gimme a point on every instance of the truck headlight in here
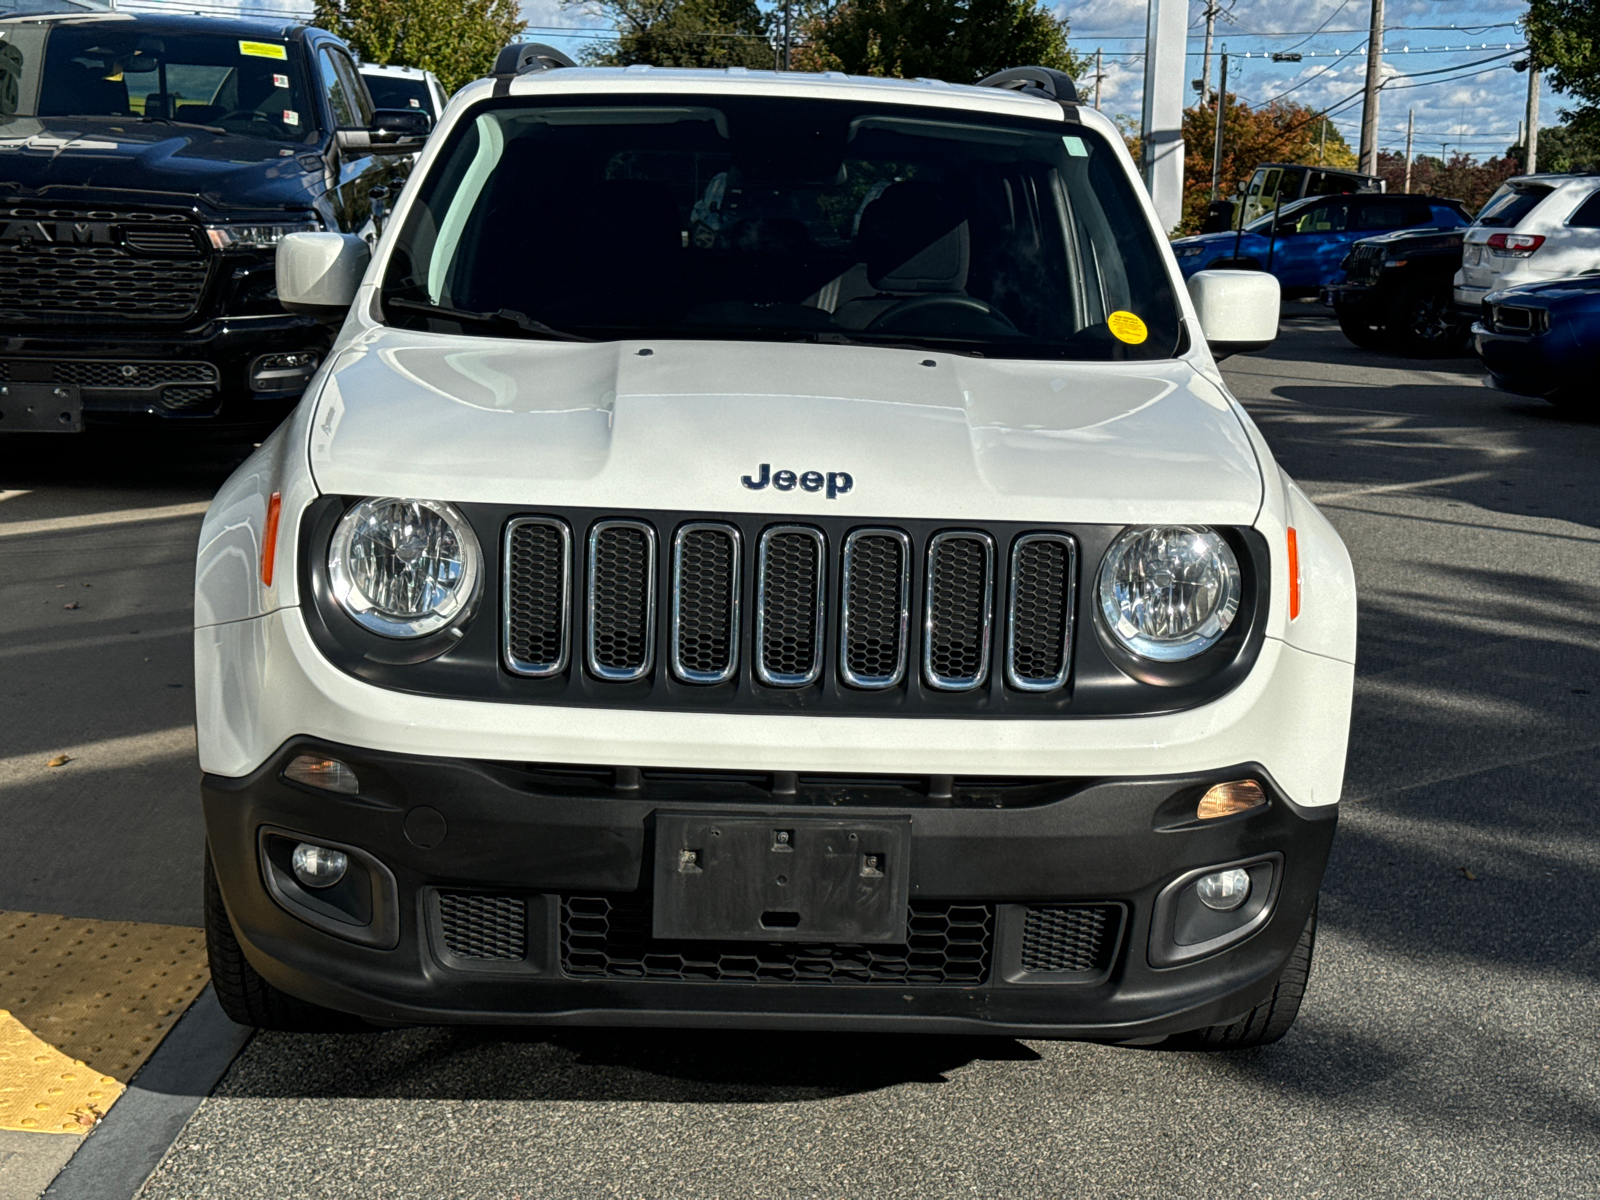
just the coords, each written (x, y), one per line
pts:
(1169, 592)
(403, 568)
(1188, 251)
(257, 235)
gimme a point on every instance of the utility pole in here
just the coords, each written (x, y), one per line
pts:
(1369, 109)
(1411, 126)
(1322, 143)
(786, 35)
(1098, 76)
(1532, 165)
(1212, 8)
(1216, 140)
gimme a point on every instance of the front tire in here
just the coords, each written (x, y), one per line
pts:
(247, 998)
(1354, 326)
(1422, 323)
(1267, 1021)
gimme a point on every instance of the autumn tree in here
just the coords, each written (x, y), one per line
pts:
(455, 39)
(1460, 177)
(680, 33)
(959, 41)
(1280, 131)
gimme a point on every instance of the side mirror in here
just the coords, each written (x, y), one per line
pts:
(394, 131)
(402, 122)
(319, 273)
(1238, 310)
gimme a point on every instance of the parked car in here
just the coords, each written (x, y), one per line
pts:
(1543, 339)
(393, 86)
(1534, 228)
(149, 167)
(1304, 242)
(893, 626)
(1396, 293)
(1273, 185)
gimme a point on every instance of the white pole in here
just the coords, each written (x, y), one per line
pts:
(1161, 127)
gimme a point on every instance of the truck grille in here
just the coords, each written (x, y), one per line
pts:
(100, 265)
(1363, 264)
(976, 605)
(107, 374)
(608, 937)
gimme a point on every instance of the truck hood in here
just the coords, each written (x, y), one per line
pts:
(46, 156)
(690, 426)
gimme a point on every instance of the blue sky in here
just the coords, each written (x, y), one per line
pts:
(1475, 108)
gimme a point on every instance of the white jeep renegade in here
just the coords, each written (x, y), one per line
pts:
(771, 551)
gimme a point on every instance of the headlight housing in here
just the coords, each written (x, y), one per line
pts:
(1188, 251)
(1169, 592)
(258, 235)
(404, 568)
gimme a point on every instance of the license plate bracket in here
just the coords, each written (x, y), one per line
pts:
(781, 878)
(40, 408)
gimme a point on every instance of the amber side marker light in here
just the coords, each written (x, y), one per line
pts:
(329, 774)
(269, 538)
(1228, 798)
(1294, 574)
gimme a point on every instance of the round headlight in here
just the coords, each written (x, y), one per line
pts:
(1169, 592)
(404, 568)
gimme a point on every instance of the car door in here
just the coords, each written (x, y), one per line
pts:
(1312, 242)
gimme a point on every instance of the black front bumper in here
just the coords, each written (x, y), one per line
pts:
(228, 345)
(1350, 296)
(495, 839)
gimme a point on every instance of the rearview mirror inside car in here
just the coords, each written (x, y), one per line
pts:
(319, 273)
(1237, 310)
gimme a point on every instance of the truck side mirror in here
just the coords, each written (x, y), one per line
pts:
(1237, 310)
(393, 131)
(319, 273)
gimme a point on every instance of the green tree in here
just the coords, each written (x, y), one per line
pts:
(455, 39)
(680, 33)
(960, 41)
(1562, 148)
(1564, 40)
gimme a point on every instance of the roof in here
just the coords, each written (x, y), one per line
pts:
(170, 23)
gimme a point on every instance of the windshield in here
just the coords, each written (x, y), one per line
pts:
(240, 86)
(783, 219)
(1511, 203)
(393, 91)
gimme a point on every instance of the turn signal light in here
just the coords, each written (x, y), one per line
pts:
(1294, 574)
(1228, 798)
(269, 538)
(329, 774)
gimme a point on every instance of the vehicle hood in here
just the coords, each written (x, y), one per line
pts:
(47, 155)
(1549, 292)
(678, 425)
(1434, 234)
(1207, 239)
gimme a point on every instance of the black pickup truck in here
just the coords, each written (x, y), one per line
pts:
(1396, 293)
(148, 167)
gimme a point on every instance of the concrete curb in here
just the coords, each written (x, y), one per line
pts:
(116, 1159)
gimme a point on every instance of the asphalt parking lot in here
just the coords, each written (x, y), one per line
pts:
(1449, 1044)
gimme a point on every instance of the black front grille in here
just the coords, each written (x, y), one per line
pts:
(608, 937)
(106, 374)
(959, 610)
(789, 607)
(537, 595)
(877, 581)
(1078, 937)
(1038, 645)
(80, 265)
(1363, 264)
(621, 599)
(705, 603)
(188, 398)
(483, 926)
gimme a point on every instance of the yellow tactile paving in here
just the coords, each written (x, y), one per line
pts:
(82, 1005)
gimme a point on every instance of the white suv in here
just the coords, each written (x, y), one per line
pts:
(1535, 227)
(859, 605)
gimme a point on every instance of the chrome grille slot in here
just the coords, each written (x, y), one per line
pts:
(705, 602)
(538, 595)
(621, 600)
(876, 596)
(1039, 633)
(791, 573)
(959, 610)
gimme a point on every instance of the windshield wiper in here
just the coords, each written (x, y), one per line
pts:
(497, 320)
(184, 124)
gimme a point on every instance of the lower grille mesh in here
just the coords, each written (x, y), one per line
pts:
(482, 926)
(1079, 937)
(609, 937)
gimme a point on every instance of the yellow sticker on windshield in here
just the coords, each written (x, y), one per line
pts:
(264, 50)
(1126, 327)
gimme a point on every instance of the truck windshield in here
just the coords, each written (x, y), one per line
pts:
(396, 91)
(239, 86)
(783, 219)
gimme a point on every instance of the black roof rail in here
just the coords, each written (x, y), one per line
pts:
(524, 58)
(1054, 85)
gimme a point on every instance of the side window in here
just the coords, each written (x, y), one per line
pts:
(1333, 217)
(1588, 214)
(1417, 213)
(337, 91)
(1381, 214)
(354, 88)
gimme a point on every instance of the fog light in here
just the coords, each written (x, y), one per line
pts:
(1228, 798)
(1223, 891)
(329, 774)
(320, 867)
(284, 372)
